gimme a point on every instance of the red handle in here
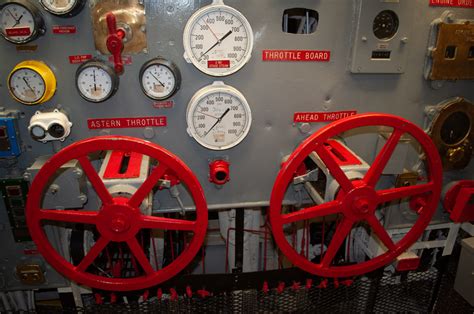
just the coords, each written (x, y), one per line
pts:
(114, 42)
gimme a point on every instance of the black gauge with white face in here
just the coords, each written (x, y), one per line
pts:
(20, 21)
(159, 79)
(385, 25)
(218, 116)
(218, 39)
(63, 8)
(96, 81)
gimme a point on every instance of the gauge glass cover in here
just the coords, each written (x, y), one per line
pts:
(95, 84)
(385, 25)
(17, 23)
(27, 85)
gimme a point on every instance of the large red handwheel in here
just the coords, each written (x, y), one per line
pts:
(357, 200)
(119, 219)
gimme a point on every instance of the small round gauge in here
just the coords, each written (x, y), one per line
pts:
(160, 79)
(20, 21)
(63, 8)
(96, 81)
(218, 39)
(218, 117)
(385, 25)
(32, 82)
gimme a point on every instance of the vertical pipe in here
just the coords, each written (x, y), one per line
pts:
(239, 240)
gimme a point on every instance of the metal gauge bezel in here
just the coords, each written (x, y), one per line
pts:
(188, 54)
(45, 73)
(74, 10)
(115, 80)
(396, 21)
(38, 21)
(217, 87)
(159, 61)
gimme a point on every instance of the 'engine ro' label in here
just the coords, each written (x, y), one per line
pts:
(125, 123)
(453, 3)
(309, 117)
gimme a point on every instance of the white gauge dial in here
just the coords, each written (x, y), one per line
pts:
(59, 6)
(218, 40)
(96, 81)
(218, 117)
(27, 85)
(17, 23)
(159, 79)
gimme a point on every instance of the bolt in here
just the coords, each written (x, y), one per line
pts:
(364, 39)
(450, 17)
(54, 188)
(27, 176)
(304, 128)
(82, 198)
(78, 172)
(404, 40)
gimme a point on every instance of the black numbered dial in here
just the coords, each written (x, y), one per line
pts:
(20, 21)
(96, 81)
(63, 8)
(160, 79)
(385, 25)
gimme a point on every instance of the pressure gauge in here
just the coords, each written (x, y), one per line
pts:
(218, 39)
(63, 8)
(385, 25)
(20, 21)
(96, 81)
(159, 79)
(31, 82)
(218, 117)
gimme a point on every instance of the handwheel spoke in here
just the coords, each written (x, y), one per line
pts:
(334, 168)
(381, 233)
(340, 235)
(381, 161)
(147, 186)
(139, 254)
(95, 180)
(403, 192)
(85, 217)
(151, 222)
(326, 209)
(98, 247)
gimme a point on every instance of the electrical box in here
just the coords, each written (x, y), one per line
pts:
(382, 36)
(9, 140)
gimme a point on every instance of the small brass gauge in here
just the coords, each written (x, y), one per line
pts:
(31, 82)
(20, 21)
(160, 79)
(96, 81)
(63, 8)
(452, 131)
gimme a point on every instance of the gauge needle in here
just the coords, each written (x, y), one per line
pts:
(217, 43)
(17, 21)
(217, 122)
(27, 84)
(211, 30)
(95, 85)
(207, 114)
(157, 80)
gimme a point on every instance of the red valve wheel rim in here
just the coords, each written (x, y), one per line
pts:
(360, 199)
(125, 226)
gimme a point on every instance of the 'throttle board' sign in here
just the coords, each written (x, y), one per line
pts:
(296, 55)
(125, 123)
(308, 117)
(453, 3)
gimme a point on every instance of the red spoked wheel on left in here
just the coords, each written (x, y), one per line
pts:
(119, 224)
(359, 200)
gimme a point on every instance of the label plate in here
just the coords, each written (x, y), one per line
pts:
(125, 123)
(308, 117)
(296, 55)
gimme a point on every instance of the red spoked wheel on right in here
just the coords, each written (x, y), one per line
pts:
(358, 200)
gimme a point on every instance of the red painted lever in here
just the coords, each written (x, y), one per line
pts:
(114, 42)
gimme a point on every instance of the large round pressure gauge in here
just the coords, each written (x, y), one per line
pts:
(218, 117)
(31, 82)
(63, 8)
(160, 79)
(20, 21)
(96, 81)
(218, 39)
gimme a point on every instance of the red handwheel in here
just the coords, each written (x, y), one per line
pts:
(358, 200)
(119, 219)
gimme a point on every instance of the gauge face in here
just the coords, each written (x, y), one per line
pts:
(38, 132)
(218, 117)
(385, 25)
(60, 7)
(27, 85)
(18, 23)
(96, 81)
(218, 40)
(159, 79)
(455, 128)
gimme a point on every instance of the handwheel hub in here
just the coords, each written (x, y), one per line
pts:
(119, 224)
(118, 221)
(360, 202)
